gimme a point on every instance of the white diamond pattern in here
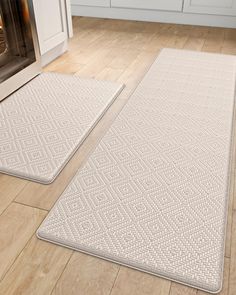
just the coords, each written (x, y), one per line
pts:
(153, 194)
(43, 123)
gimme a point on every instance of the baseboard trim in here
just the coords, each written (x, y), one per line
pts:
(156, 16)
(54, 53)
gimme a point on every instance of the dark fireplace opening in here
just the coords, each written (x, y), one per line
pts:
(17, 49)
(3, 44)
(18, 43)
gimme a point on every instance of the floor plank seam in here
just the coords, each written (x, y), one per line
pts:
(62, 272)
(13, 199)
(33, 207)
(110, 293)
(13, 262)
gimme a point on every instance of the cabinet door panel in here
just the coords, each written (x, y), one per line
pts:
(172, 5)
(220, 7)
(51, 23)
(102, 3)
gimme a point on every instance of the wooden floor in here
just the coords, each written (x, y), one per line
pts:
(102, 49)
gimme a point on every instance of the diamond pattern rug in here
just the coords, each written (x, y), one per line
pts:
(43, 123)
(153, 194)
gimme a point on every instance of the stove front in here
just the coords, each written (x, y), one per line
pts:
(19, 50)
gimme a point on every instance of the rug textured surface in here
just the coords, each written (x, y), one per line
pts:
(44, 123)
(153, 194)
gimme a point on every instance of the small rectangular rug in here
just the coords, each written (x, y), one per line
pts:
(43, 123)
(153, 194)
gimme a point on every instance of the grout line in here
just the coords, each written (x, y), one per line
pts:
(223, 42)
(62, 272)
(17, 256)
(13, 199)
(33, 207)
(228, 279)
(110, 293)
(205, 38)
(230, 259)
(26, 184)
(30, 238)
(169, 293)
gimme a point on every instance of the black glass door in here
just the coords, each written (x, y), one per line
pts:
(16, 40)
(3, 45)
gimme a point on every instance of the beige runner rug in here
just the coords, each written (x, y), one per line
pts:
(153, 194)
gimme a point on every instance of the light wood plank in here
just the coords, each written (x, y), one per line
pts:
(108, 57)
(230, 215)
(181, 30)
(64, 67)
(214, 40)
(194, 43)
(82, 56)
(131, 40)
(17, 224)
(232, 275)
(132, 282)
(234, 196)
(86, 275)
(180, 41)
(106, 41)
(225, 287)
(177, 289)
(229, 45)
(124, 58)
(199, 31)
(132, 76)
(110, 74)
(9, 188)
(85, 38)
(36, 270)
(231, 197)
(159, 41)
(97, 64)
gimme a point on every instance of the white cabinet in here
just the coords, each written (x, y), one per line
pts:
(96, 3)
(219, 13)
(171, 5)
(218, 7)
(51, 22)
